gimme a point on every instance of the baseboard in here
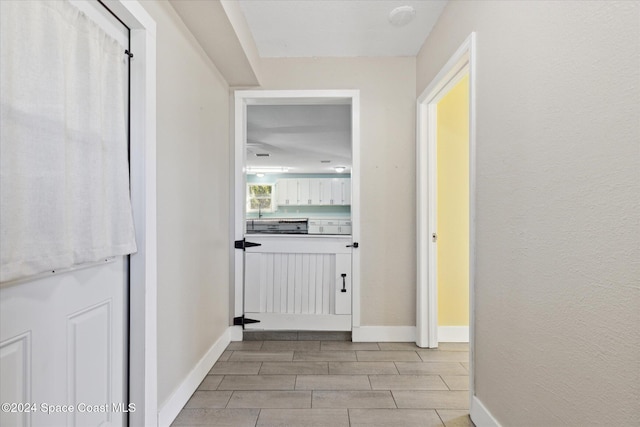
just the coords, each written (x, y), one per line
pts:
(235, 333)
(384, 334)
(453, 333)
(172, 407)
(480, 415)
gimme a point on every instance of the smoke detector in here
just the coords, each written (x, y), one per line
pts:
(401, 16)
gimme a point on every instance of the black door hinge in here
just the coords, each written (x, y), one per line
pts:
(243, 244)
(241, 321)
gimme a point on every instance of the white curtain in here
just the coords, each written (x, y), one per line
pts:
(64, 176)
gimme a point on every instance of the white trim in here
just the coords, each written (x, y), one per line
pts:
(426, 309)
(143, 380)
(235, 333)
(453, 334)
(427, 303)
(480, 415)
(300, 322)
(174, 404)
(383, 334)
(297, 97)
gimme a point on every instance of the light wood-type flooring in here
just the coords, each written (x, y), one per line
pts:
(313, 382)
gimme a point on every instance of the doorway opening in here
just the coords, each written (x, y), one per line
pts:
(296, 210)
(447, 149)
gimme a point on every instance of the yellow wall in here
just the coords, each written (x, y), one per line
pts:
(453, 206)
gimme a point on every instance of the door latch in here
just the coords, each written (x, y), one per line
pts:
(355, 245)
(434, 237)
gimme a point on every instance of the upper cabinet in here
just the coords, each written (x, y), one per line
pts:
(287, 192)
(313, 191)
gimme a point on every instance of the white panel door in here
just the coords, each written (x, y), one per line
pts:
(296, 282)
(63, 335)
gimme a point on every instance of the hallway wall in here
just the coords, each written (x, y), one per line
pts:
(558, 206)
(193, 194)
(387, 120)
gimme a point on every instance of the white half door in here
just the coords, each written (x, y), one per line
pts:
(63, 336)
(298, 283)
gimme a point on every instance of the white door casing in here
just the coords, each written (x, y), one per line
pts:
(297, 97)
(463, 61)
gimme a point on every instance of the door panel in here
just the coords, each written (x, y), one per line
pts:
(63, 340)
(298, 279)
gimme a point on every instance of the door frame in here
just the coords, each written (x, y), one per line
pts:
(462, 62)
(143, 372)
(243, 98)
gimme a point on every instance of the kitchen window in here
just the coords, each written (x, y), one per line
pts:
(259, 197)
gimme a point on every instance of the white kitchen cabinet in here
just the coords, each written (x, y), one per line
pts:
(313, 191)
(287, 192)
(346, 191)
(329, 226)
(325, 191)
(309, 191)
(340, 191)
(336, 191)
(315, 226)
(345, 227)
(304, 193)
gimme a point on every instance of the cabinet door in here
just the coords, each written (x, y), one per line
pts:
(304, 192)
(325, 192)
(315, 227)
(287, 192)
(345, 227)
(315, 191)
(292, 192)
(331, 226)
(336, 191)
(346, 191)
(281, 192)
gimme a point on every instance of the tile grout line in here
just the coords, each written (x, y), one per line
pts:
(394, 399)
(445, 383)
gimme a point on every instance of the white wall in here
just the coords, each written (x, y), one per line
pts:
(558, 206)
(193, 194)
(387, 105)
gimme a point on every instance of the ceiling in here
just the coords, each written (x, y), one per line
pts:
(299, 137)
(337, 28)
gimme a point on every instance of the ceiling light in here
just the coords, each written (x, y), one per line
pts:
(259, 174)
(401, 16)
(340, 169)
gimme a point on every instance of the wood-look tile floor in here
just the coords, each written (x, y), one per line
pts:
(333, 383)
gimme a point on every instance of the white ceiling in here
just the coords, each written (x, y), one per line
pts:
(299, 137)
(337, 28)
